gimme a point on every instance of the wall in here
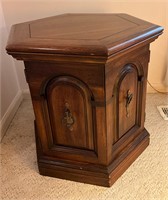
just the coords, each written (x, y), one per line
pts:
(10, 93)
(12, 79)
(16, 11)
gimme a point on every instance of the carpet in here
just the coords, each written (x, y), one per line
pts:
(145, 179)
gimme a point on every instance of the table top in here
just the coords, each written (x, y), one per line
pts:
(81, 34)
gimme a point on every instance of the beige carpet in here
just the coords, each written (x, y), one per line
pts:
(146, 179)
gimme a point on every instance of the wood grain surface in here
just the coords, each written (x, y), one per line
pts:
(87, 75)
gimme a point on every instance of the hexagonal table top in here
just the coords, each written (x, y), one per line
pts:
(81, 34)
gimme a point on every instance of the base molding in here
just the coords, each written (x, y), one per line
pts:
(125, 163)
(102, 176)
(8, 116)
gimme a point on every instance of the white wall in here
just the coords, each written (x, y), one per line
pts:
(10, 93)
(16, 11)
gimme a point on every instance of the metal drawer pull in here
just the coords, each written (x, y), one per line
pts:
(129, 98)
(68, 119)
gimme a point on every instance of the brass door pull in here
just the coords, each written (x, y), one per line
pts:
(129, 98)
(68, 119)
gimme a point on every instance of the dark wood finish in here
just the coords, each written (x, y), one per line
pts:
(78, 133)
(87, 77)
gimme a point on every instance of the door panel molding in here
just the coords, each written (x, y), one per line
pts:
(67, 109)
(128, 99)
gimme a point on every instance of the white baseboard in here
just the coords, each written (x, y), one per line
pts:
(26, 94)
(158, 86)
(7, 118)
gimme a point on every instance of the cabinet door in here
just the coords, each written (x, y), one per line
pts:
(69, 117)
(127, 100)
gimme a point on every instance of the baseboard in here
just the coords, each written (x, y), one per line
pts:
(26, 94)
(7, 118)
(158, 86)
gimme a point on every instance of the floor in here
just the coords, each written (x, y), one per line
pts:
(146, 178)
